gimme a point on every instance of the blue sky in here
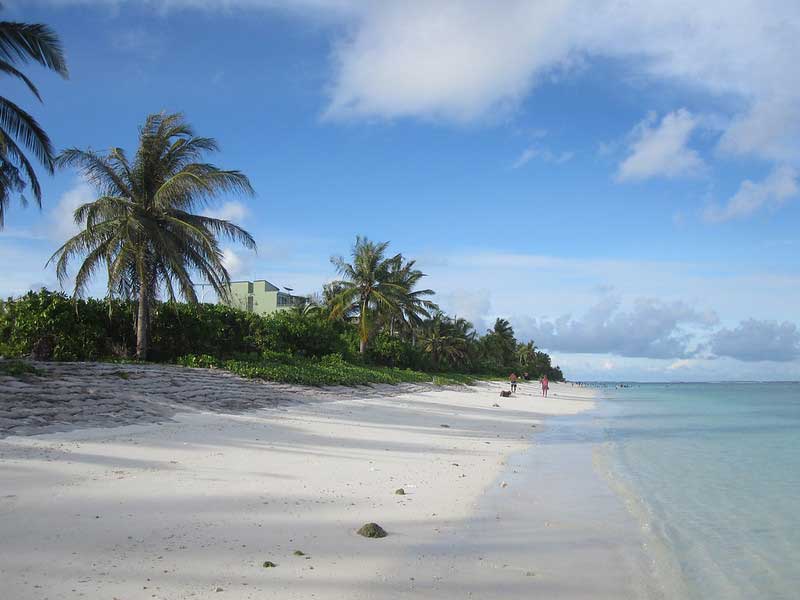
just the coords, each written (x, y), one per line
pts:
(620, 181)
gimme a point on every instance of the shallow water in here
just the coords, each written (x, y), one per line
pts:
(712, 471)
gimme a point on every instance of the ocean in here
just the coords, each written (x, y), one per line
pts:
(712, 474)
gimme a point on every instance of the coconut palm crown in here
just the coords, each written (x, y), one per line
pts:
(21, 43)
(368, 287)
(141, 228)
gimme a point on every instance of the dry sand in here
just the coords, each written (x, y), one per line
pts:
(192, 506)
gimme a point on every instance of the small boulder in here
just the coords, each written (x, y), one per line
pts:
(372, 530)
(299, 553)
(268, 564)
(446, 426)
(400, 492)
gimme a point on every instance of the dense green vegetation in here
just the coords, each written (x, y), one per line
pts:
(331, 369)
(141, 229)
(299, 346)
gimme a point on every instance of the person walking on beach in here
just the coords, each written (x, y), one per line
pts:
(545, 386)
(513, 379)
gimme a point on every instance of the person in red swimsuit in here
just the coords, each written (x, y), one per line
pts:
(545, 386)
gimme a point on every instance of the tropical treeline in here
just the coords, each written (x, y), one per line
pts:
(398, 323)
(147, 234)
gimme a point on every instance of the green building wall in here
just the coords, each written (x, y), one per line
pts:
(261, 297)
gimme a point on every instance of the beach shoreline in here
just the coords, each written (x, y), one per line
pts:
(199, 501)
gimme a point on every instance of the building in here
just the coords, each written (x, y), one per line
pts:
(262, 297)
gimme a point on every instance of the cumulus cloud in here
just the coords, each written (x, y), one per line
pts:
(754, 340)
(660, 149)
(61, 220)
(468, 60)
(233, 211)
(474, 305)
(649, 329)
(777, 188)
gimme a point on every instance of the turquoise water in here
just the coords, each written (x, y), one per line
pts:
(713, 473)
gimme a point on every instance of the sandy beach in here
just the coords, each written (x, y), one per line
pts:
(206, 476)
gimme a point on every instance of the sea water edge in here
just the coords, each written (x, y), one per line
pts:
(711, 472)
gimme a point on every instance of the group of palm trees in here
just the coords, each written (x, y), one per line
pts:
(144, 230)
(379, 294)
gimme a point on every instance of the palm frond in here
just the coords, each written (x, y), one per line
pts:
(32, 41)
(17, 123)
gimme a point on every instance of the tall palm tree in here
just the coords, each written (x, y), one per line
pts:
(142, 229)
(19, 44)
(526, 354)
(500, 343)
(368, 287)
(413, 306)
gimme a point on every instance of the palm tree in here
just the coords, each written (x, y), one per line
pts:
(526, 354)
(500, 343)
(142, 229)
(368, 287)
(19, 44)
(413, 306)
(445, 340)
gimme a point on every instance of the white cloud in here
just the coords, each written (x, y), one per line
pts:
(650, 328)
(543, 154)
(474, 305)
(459, 61)
(661, 149)
(233, 211)
(61, 220)
(754, 340)
(777, 188)
(468, 60)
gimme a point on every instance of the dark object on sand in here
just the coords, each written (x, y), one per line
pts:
(400, 492)
(505, 393)
(372, 530)
(299, 553)
(268, 564)
(445, 426)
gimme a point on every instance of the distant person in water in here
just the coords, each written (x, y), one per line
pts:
(513, 379)
(545, 386)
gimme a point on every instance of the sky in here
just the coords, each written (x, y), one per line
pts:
(618, 179)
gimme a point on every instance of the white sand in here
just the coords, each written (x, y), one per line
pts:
(184, 508)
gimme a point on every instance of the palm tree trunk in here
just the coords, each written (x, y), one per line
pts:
(142, 323)
(362, 328)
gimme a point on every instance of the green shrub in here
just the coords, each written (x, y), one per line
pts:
(17, 368)
(306, 335)
(49, 325)
(328, 370)
(391, 351)
(203, 361)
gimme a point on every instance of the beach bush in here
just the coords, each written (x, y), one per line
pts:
(17, 368)
(289, 346)
(392, 351)
(305, 335)
(327, 370)
(49, 325)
